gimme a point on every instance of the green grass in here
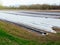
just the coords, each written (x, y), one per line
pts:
(7, 39)
(11, 34)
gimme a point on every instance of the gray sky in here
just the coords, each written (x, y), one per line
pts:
(28, 2)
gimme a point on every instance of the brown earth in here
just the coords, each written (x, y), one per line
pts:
(21, 32)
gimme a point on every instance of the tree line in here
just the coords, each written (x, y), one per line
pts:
(40, 7)
(34, 7)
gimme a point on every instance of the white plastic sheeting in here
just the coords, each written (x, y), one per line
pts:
(44, 24)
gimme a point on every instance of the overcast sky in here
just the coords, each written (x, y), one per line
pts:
(28, 2)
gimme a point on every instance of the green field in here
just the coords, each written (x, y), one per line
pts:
(11, 34)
